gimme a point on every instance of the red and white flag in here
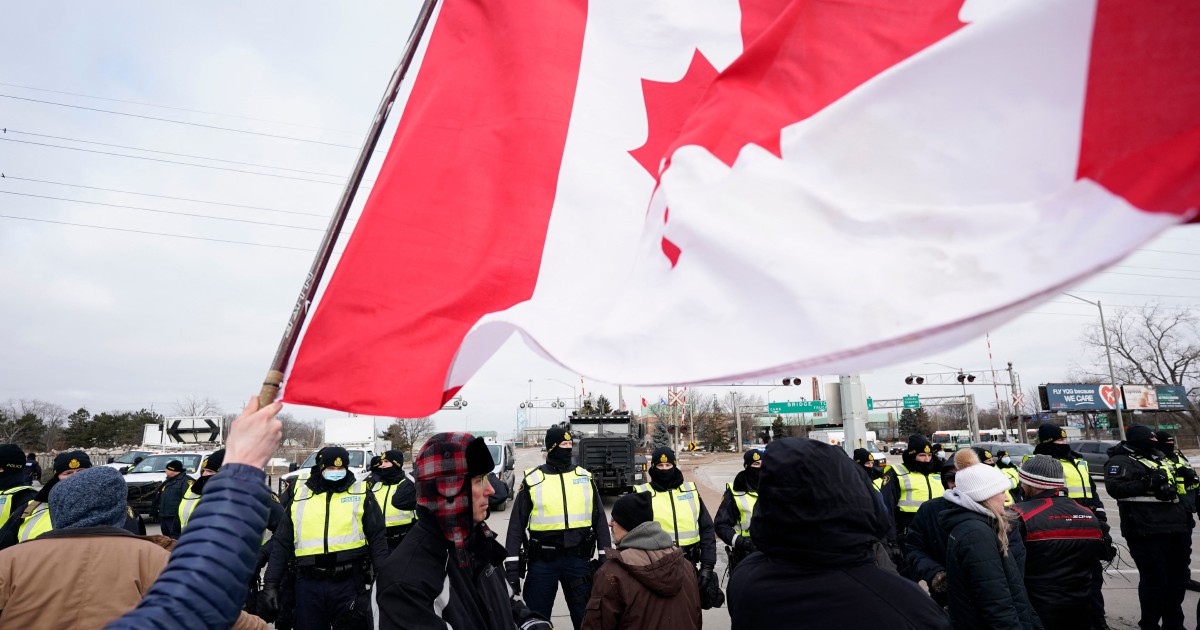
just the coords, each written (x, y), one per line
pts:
(615, 180)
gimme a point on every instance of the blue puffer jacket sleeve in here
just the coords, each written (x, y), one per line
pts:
(204, 584)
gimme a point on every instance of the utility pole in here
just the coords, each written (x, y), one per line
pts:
(737, 420)
(854, 412)
(1013, 391)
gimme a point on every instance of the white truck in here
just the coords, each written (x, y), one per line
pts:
(355, 434)
(838, 438)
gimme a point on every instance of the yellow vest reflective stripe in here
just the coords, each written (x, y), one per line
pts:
(1165, 465)
(328, 522)
(186, 506)
(6, 497)
(678, 511)
(1079, 480)
(878, 483)
(392, 516)
(35, 524)
(916, 488)
(745, 503)
(1180, 463)
(560, 502)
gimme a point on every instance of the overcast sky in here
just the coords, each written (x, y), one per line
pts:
(111, 320)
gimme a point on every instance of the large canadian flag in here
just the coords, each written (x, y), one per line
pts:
(691, 191)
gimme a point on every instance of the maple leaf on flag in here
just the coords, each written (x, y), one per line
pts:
(668, 105)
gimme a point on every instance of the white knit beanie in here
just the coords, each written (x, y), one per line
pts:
(981, 482)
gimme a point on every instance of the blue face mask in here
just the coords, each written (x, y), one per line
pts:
(1006, 460)
(334, 475)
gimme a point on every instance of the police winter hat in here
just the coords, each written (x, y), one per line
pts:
(751, 456)
(981, 482)
(632, 510)
(862, 456)
(12, 457)
(92, 498)
(555, 435)
(1164, 438)
(213, 462)
(374, 465)
(175, 465)
(71, 460)
(918, 444)
(1139, 433)
(1043, 472)
(1049, 432)
(333, 456)
(394, 456)
(662, 455)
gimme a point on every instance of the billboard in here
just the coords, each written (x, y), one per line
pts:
(1171, 397)
(1077, 397)
(1140, 397)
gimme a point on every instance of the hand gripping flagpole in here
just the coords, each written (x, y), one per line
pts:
(291, 334)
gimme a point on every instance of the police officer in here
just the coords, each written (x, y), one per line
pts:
(732, 523)
(396, 495)
(913, 482)
(1052, 441)
(169, 495)
(681, 512)
(191, 496)
(333, 532)
(1186, 481)
(986, 457)
(1154, 523)
(560, 508)
(33, 470)
(373, 470)
(1005, 464)
(864, 458)
(15, 491)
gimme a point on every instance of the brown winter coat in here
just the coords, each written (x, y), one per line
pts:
(82, 578)
(647, 583)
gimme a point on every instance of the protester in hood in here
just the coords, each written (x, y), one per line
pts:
(680, 511)
(1065, 544)
(333, 534)
(110, 568)
(168, 498)
(445, 573)
(909, 484)
(33, 470)
(732, 523)
(15, 491)
(647, 583)
(984, 581)
(816, 526)
(33, 519)
(1154, 522)
(396, 495)
(557, 524)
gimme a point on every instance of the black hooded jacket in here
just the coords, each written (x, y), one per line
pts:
(816, 525)
(1126, 476)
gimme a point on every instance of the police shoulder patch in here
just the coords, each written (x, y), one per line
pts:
(1115, 469)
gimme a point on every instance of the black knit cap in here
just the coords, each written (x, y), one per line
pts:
(11, 456)
(395, 456)
(555, 436)
(918, 444)
(375, 462)
(662, 455)
(334, 456)
(175, 465)
(1137, 433)
(862, 456)
(71, 460)
(1164, 438)
(1050, 432)
(751, 456)
(632, 510)
(983, 454)
(213, 462)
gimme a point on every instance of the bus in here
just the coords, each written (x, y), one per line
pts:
(952, 440)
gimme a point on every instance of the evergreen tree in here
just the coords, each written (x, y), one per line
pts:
(661, 437)
(779, 429)
(908, 423)
(602, 405)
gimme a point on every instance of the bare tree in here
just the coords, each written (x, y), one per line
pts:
(52, 416)
(406, 433)
(195, 406)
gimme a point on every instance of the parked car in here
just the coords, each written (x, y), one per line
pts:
(898, 448)
(1095, 452)
(506, 463)
(1015, 450)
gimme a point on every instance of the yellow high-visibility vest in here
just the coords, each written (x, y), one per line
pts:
(1166, 466)
(1078, 479)
(329, 522)
(678, 511)
(186, 506)
(392, 516)
(560, 502)
(914, 492)
(37, 522)
(745, 503)
(6, 498)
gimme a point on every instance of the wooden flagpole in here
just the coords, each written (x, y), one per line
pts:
(291, 333)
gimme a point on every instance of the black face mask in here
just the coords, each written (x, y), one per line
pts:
(1166, 448)
(752, 476)
(1057, 451)
(559, 458)
(198, 485)
(666, 479)
(1146, 446)
(390, 475)
(930, 467)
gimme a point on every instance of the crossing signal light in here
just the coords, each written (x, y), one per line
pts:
(793, 380)
(920, 380)
(908, 380)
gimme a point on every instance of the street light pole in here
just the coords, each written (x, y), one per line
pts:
(1111, 374)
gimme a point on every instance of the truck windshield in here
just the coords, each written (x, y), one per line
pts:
(130, 457)
(356, 460)
(158, 463)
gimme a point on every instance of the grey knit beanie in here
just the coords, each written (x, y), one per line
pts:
(1042, 472)
(95, 497)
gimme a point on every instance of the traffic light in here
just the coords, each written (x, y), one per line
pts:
(908, 380)
(793, 380)
(961, 377)
(920, 380)
(970, 378)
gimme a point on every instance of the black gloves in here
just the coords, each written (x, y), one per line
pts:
(269, 600)
(514, 581)
(1159, 484)
(938, 583)
(744, 544)
(710, 591)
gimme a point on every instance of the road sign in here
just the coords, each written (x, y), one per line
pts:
(803, 406)
(870, 404)
(912, 402)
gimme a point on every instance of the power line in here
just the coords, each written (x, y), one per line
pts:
(175, 108)
(1159, 251)
(1156, 268)
(1169, 306)
(182, 122)
(1146, 275)
(194, 238)
(186, 155)
(1158, 295)
(152, 159)
(144, 194)
(159, 211)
